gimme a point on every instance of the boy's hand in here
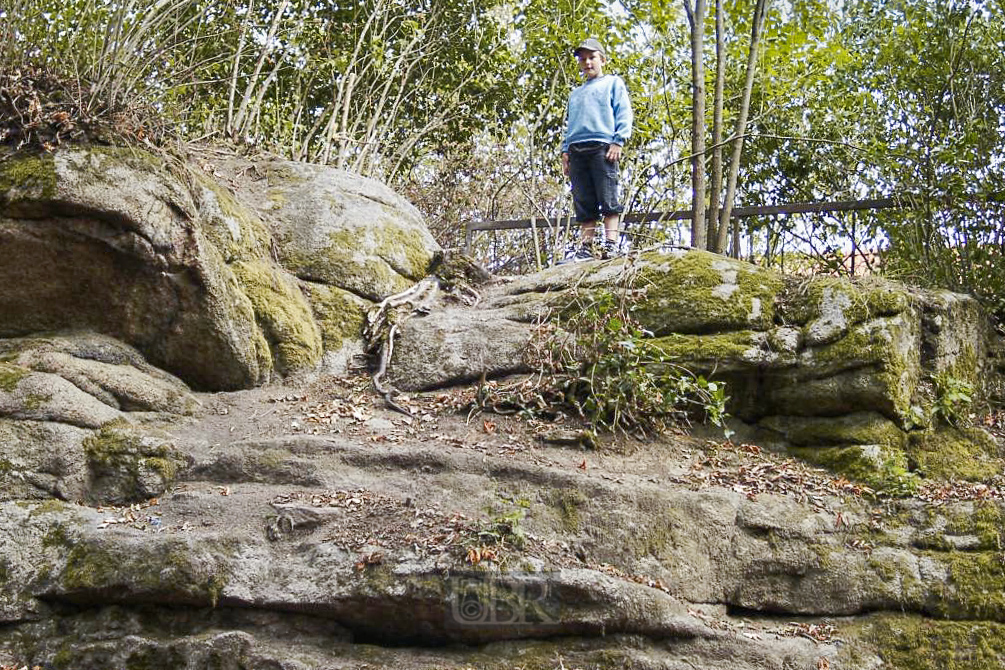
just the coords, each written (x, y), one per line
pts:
(565, 164)
(613, 153)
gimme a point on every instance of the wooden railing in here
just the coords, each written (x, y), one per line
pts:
(738, 212)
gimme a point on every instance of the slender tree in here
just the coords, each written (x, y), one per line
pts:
(696, 20)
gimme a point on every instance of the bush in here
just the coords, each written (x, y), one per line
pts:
(609, 371)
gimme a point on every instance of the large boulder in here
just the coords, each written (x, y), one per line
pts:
(841, 371)
(166, 258)
(107, 240)
(342, 230)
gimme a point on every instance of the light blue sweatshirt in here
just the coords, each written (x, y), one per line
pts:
(599, 111)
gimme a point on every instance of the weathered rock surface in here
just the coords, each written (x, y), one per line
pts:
(843, 370)
(166, 259)
(342, 230)
(364, 557)
(304, 525)
(83, 252)
(73, 410)
(351, 241)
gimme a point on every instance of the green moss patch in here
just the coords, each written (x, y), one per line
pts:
(567, 503)
(975, 588)
(283, 314)
(126, 466)
(889, 348)
(701, 292)
(804, 301)
(915, 643)
(237, 232)
(172, 570)
(339, 314)
(27, 177)
(880, 467)
(955, 453)
(396, 261)
(11, 375)
(859, 428)
(707, 348)
(337, 266)
(985, 523)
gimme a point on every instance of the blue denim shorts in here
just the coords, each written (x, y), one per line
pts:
(594, 181)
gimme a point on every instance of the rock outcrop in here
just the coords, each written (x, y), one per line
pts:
(846, 373)
(75, 416)
(276, 520)
(164, 258)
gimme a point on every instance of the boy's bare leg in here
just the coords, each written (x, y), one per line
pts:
(587, 230)
(611, 226)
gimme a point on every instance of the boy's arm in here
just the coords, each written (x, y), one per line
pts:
(622, 106)
(565, 140)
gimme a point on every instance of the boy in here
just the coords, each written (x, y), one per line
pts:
(598, 122)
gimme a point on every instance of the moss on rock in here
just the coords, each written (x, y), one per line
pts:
(881, 467)
(236, 231)
(339, 264)
(283, 314)
(701, 292)
(891, 347)
(858, 428)
(736, 345)
(805, 301)
(11, 375)
(985, 523)
(907, 642)
(567, 504)
(340, 315)
(946, 452)
(975, 588)
(172, 570)
(128, 466)
(27, 177)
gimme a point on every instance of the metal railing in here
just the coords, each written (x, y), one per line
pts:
(558, 222)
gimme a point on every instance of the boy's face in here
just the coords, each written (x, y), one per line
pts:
(591, 63)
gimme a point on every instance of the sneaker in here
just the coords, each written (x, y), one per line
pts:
(609, 248)
(578, 253)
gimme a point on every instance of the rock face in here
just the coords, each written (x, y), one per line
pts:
(165, 259)
(846, 373)
(351, 241)
(365, 551)
(72, 415)
(302, 524)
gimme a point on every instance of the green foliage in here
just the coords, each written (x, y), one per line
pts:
(613, 375)
(502, 530)
(369, 86)
(949, 403)
(953, 399)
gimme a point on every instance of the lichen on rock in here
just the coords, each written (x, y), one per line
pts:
(129, 466)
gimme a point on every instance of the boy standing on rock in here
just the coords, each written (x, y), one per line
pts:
(598, 122)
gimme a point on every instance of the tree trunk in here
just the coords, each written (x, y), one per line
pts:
(741, 123)
(696, 17)
(716, 178)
